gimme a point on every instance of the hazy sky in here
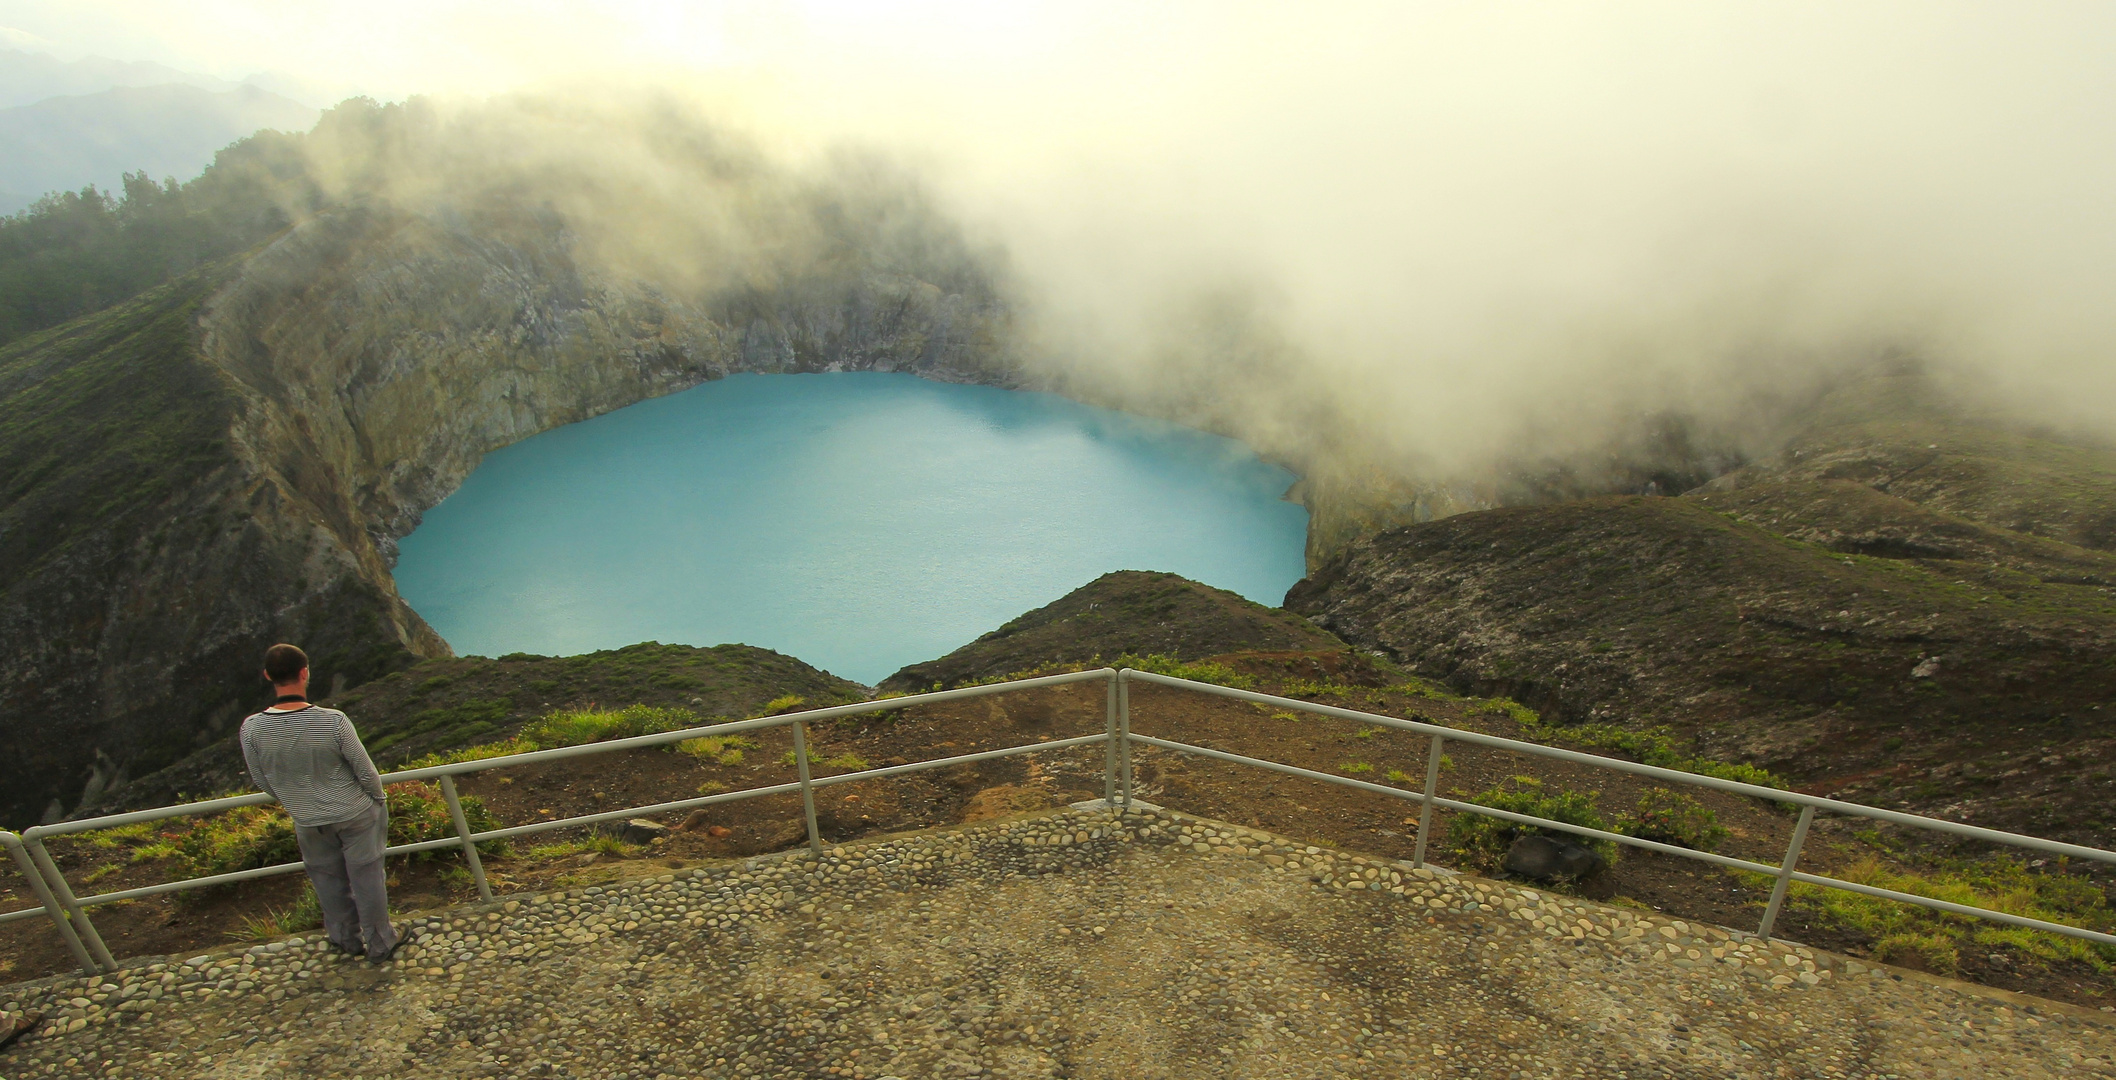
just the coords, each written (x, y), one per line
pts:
(1478, 215)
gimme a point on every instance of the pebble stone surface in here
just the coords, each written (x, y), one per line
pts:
(1083, 943)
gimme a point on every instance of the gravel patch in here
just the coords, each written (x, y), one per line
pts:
(1082, 944)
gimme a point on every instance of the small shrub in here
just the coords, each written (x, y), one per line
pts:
(305, 914)
(2000, 884)
(515, 745)
(241, 839)
(783, 704)
(418, 812)
(139, 832)
(1398, 776)
(1511, 709)
(1673, 818)
(578, 727)
(719, 749)
(1933, 952)
(1482, 841)
(1414, 686)
(787, 758)
(1174, 668)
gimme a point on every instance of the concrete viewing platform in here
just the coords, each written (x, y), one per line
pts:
(1081, 943)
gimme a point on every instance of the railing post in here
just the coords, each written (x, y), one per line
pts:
(1432, 787)
(1785, 873)
(1124, 731)
(1109, 745)
(808, 791)
(470, 849)
(72, 903)
(42, 889)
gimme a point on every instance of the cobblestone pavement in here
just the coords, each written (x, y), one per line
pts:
(1080, 944)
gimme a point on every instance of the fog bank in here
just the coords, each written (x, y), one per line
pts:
(1418, 238)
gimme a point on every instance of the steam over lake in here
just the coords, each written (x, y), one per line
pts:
(858, 521)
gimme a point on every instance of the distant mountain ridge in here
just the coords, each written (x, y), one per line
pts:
(29, 77)
(170, 130)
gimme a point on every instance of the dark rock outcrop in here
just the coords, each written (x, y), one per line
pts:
(1127, 611)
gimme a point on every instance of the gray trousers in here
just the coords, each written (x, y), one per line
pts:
(344, 861)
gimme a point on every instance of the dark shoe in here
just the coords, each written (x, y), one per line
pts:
(349, 950)
(385, 957)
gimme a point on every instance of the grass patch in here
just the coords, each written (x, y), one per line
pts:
(1482, 841)
(848, 762)
(578, 727)
(718, 749)
(1354, 767)
(1673, 818)
(304, 914)
(787, 758)
(711, 787)
(1935, 938)
(783, 704)
(1203, 671)
(1413, 686)
(1651, 746)
(597, 844)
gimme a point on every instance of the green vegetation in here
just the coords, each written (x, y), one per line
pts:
(254, 836)
(418, 812)
(1413, 686)
(239, 839)
(1482, 841)
(783, 704)
(305, 914)
(1673, 818)
(77, 252)
(718, 749)
(578, 727)
(787, 758)
(1936, 939)
(1355, 767)
(596, 843)
(1652, 746)
(849, 762)
(1174, 668)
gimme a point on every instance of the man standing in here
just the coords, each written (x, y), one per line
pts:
(311, 760)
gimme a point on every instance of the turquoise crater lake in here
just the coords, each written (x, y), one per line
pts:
(859, 521)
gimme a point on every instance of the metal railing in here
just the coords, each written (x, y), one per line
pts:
(68, 912)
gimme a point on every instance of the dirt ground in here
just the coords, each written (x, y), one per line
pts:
(1325, 814)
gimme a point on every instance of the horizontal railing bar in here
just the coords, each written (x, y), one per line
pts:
(637, 811)
(611, 746)
(245, 875)
(780, 789)
(959, 759)
(1279, 767)
(25, 913)
(1472, 808)
(1954, 908)
(580, 821)
(1619, 765)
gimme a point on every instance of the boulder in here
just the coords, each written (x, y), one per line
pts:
(634, 831)
(1547, 858)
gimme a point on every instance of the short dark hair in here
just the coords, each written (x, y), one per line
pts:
(283, 663)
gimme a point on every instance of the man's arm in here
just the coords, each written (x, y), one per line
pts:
(356, 756)
(249, 760)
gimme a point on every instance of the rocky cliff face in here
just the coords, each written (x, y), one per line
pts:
(351, 374)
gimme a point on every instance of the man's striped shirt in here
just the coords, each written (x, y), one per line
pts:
(311, 760)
